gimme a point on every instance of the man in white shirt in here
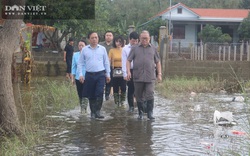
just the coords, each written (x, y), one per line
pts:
(133, 40)
(39, 40)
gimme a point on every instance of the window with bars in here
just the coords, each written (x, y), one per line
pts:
(179, 10)
(179, 32)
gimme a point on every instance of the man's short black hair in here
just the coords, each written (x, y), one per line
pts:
(108, 31)
(133, 35)
(90, 33)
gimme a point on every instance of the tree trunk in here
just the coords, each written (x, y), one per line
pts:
(9, 35)
(55, 40)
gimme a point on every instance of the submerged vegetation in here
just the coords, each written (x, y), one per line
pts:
(41, 98)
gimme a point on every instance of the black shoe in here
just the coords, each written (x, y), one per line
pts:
(140, 117)
(150, 106)
(98, 107)
(131, 109)
(92, 116)
(107, 98)
(150, 117)
(140, 110)
(97, 115)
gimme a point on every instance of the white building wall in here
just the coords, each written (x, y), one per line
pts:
(186, 15)
(190, 38)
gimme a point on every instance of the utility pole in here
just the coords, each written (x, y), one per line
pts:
(170, 27)
(169, 23)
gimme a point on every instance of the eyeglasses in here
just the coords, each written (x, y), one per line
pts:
(144, 38)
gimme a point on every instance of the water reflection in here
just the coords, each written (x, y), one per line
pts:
(181, 128)
(118, 136)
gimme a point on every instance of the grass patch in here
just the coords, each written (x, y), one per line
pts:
(170, 87)
(43, 97)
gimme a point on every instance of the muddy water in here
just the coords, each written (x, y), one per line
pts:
(182, 127)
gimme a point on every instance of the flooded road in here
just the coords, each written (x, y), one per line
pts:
(182, 127)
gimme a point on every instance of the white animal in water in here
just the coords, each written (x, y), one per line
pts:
(224, 118)
(238, 99)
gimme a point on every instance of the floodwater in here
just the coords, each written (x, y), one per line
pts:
(182, 127)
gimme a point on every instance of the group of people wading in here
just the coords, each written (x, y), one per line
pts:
(94, 68)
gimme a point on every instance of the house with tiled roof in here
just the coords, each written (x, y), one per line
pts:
(187, 22)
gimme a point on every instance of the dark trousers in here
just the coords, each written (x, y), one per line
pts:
(95, 84)
(119, 83)
(131, 90)
(108, 85)
(107, 89)
(69, 64)
(81, 91)
(144, 91)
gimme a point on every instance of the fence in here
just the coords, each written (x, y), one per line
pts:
(210, 51)
(205, 60)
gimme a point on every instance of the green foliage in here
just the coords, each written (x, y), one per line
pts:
(244, 29)
(245, 4)
(27, 42)
(57, 95)
(122, 28)
(45, 97)
(117, 15)
(211, 34)
(63, 9)
(153, 27)
(75, 27)
(16, 146)
(229, 4)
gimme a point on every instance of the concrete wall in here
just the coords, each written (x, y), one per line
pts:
(188, 68)
(173, 67)
(208, 69)
(190, 38)
(51, 68)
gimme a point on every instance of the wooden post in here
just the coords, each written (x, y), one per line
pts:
(162, 34)
(234, 53)
(131, 28)
(192, 53)
(241, 50)
(165, 58)
(220, 52)
(229, 52)
(224, 53)
(164, 48)
(195, 53)
(248, 51)
(179, 48)
(202, 52)
(198, 52)
(205, 52)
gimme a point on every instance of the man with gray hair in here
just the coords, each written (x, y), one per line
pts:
(145, 58)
